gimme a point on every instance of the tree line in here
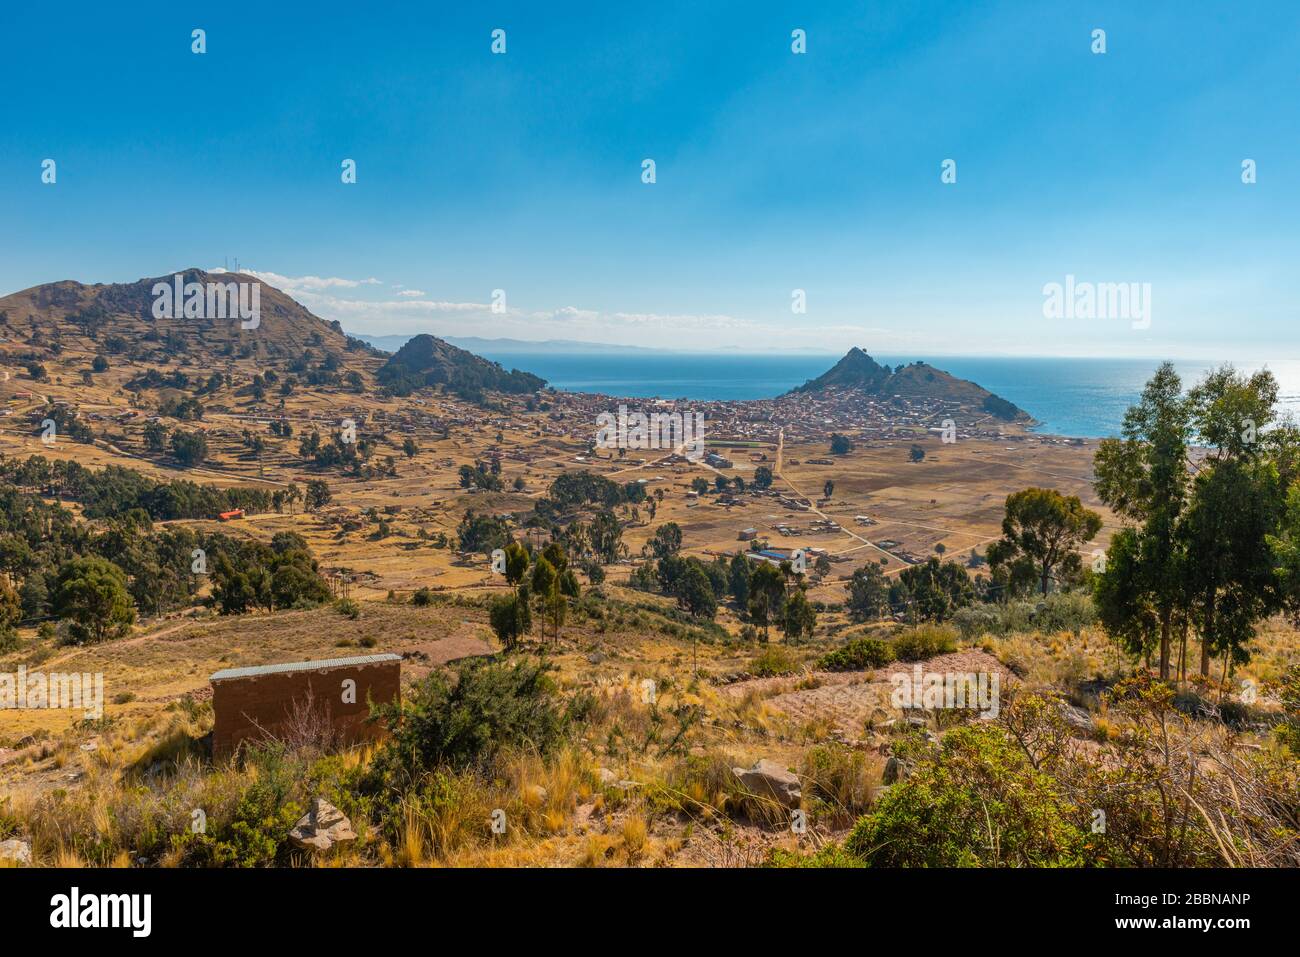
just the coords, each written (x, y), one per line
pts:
(96, 577)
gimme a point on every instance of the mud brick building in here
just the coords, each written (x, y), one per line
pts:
(273, 700)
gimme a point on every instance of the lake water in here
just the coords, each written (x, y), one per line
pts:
(1075, 397)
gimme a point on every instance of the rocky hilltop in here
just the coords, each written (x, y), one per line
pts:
(857, 371)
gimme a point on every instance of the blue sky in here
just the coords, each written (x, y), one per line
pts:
(775, 171)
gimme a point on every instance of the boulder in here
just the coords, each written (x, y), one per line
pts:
(767, 779)
(18, 852)
(1076, 717)
(606, 776)
(894, 770)
(322, 827)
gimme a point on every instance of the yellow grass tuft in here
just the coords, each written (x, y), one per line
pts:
(634, 832)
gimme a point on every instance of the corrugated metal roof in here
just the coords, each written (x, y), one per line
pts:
(301, 666)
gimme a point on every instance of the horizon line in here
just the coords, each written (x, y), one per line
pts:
(630, 349)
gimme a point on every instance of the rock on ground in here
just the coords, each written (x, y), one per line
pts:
(1077, 718)
(322, 827)
(767, 779)
(19, 852)
(893, 771)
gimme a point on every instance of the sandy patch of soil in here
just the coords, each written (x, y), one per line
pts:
(849, 698)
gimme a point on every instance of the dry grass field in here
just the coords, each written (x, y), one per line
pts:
(642, 779)
(952, 498)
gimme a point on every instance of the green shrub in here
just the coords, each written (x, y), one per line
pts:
(917, 644)
(1065, 611)
(975, 801)
(491, 706)
(859, 655)
(339, 781)
(422, 597)
(976, 621)
(256, 834)
(772, 661)
(348, 608)
(831, 855)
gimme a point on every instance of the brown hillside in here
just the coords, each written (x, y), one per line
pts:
(118, 317)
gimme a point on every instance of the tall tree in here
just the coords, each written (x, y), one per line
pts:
(667, 540)
(1124, 599)
(511, 619)
(1143, 478)
(868, 593)
(546, 585)
(766, 593)
(1045, 527)
(606, 534)
(91, 594)
(318, 495)
(694, 592)
(1237, 503)
(799, 618)
(516, 563)
(935, 590)
(738, 579)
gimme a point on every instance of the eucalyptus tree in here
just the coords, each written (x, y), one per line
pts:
(1143, 478)
(1237, 503)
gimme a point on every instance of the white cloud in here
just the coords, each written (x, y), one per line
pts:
(292, 284)
(321, 304)
(409, 312)
(568, 314)
(671, 321)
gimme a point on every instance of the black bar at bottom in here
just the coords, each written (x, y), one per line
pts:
(336, 906)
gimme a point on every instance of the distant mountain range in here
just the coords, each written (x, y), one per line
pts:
(170, 319)
(123, 319)
(513, 346)
(567, 347)
(919, 380)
